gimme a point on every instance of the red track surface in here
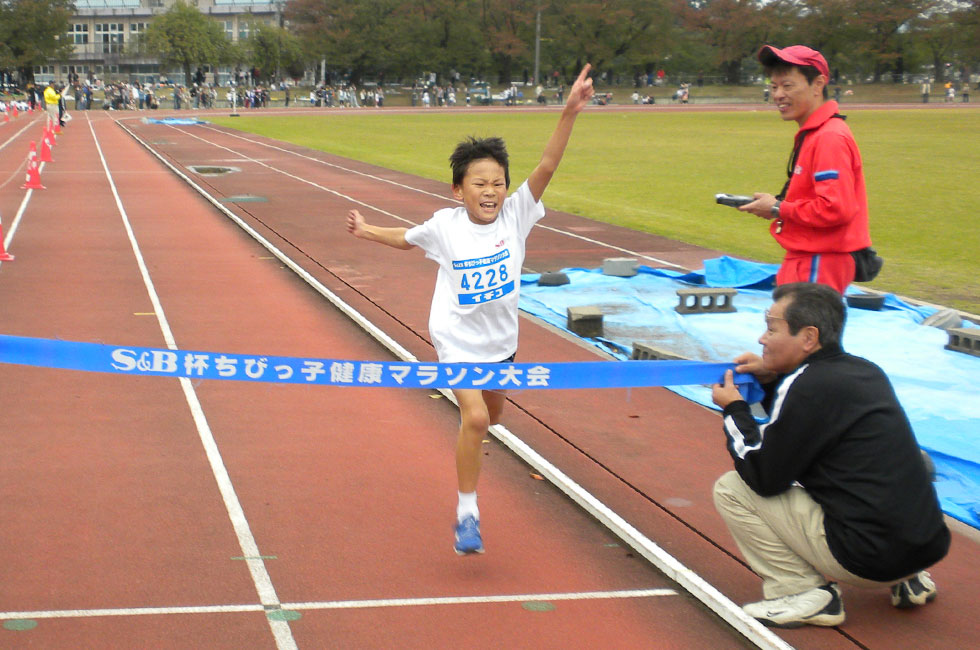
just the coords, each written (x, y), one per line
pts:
(110, 502)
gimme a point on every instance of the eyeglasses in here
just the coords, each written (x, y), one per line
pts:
(770, 317)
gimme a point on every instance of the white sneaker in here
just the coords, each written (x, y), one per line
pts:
(917, 590)
(820, 606)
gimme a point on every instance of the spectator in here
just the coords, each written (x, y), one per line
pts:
(52, 99)
(62, 106)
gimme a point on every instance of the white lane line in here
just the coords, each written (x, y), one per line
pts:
(298, 178)
(129, 611)
(573, 235)
(9, 235)
(476, 600)
(339, 604)
(17, 134)
(319, 161)
(731, 613)
(673, 568)
(256, 566)
(377, 333)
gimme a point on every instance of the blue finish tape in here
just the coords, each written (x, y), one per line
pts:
(160, 362)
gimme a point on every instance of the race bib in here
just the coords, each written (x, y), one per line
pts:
(483, 279)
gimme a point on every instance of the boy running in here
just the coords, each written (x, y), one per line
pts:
(480, 251)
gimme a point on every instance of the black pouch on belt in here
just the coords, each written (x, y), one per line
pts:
(867, 264)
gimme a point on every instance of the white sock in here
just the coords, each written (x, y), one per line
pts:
(467, 506)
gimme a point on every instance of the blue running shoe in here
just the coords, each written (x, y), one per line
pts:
(468, 538)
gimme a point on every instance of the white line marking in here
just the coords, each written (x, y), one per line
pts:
(256, 566)
(694, 584)
(470, 600)
(731, 613)
(338, 604)
(130, 611)
(297, 178)
(9, 238)
(17, 134)
(393, 346)
(396, 184)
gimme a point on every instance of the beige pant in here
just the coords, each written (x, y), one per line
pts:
(782, 538)
(53, 112)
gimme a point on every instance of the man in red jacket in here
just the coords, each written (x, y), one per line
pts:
(821, 216)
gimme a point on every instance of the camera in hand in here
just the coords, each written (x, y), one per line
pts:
(734, 200)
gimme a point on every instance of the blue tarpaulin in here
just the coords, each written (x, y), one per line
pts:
(936, 386)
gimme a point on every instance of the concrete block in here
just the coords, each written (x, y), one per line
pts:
(944, 319)
(644, 352)
(623, 267)
(554, 279)
(964, 340)
(706, 300)
(585, 321)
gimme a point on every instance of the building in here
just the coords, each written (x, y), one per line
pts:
(106, 37)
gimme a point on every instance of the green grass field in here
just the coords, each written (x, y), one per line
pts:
(658, 173)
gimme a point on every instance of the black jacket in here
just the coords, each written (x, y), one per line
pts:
(837, 429)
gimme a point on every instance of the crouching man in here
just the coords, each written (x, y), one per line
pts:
(833, 487)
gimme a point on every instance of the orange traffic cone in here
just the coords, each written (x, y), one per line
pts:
(33, 173)
(6, 118)
(57, 127)
(13, 110)
(4, 255)
(46, 149)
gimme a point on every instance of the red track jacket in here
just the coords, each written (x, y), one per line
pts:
(825, 209)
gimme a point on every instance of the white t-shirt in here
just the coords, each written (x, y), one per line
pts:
(474, 306)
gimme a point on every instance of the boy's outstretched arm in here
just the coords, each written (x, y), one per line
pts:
(578, 98)
(394, 237)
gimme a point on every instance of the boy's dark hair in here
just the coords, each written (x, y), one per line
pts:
(472, 149)
(808, 71)
(815, 305)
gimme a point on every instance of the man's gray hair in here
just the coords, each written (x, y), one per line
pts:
(815, 305)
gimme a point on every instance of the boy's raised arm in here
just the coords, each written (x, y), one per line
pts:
(578, 98)
(394, 237)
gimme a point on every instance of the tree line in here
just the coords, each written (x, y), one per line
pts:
(504, 40)
(495, 39)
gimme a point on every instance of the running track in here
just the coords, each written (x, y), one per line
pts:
(143, 512)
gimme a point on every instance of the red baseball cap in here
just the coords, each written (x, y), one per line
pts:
(795, 55)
